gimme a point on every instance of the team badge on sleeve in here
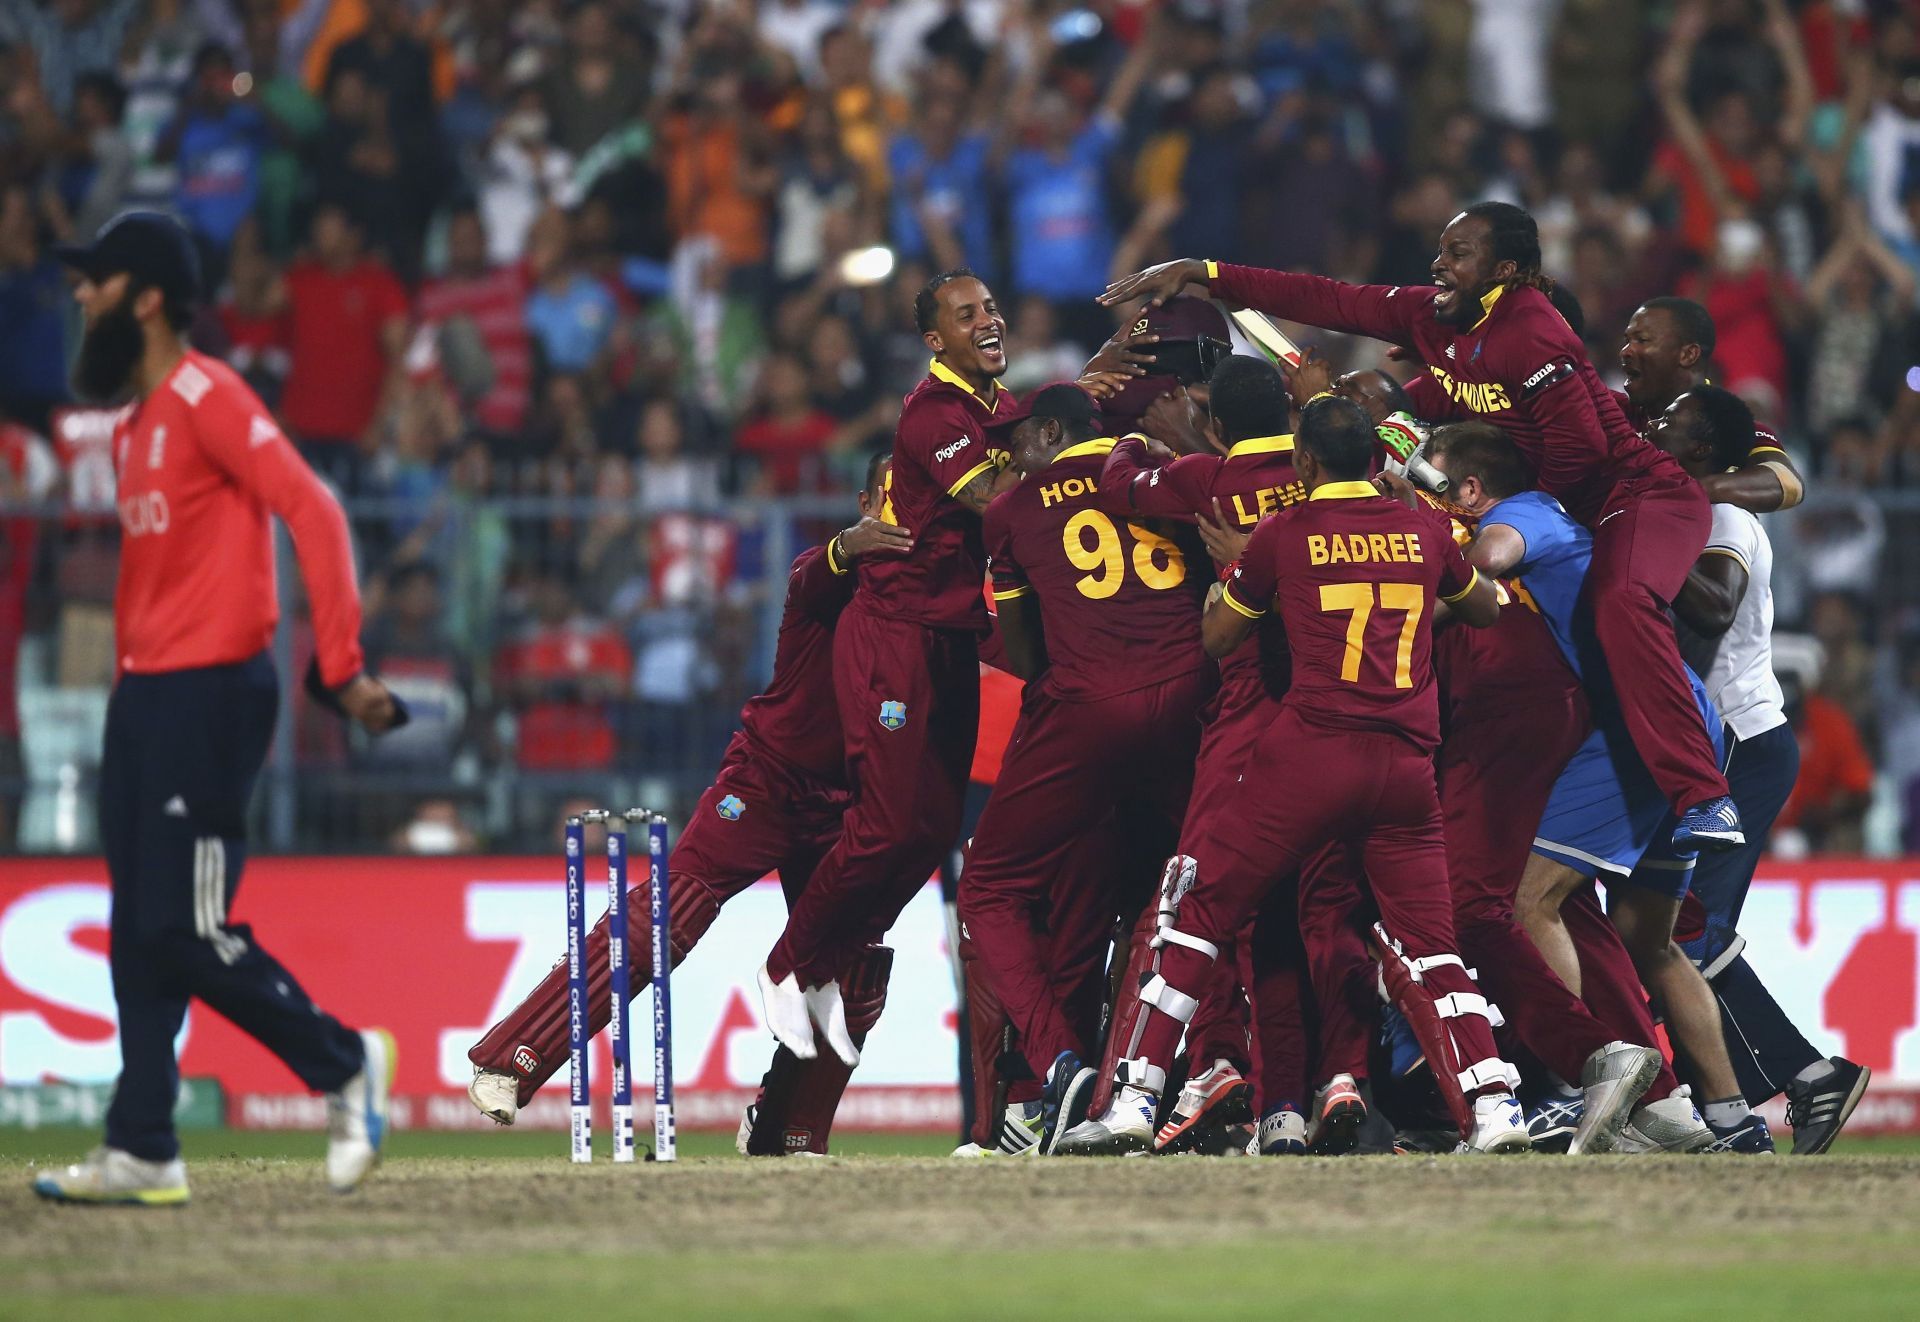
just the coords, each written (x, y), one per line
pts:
(893, 715)
(730, 807)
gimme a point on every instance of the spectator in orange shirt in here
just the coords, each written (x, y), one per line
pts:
(563, 676)
(719, 174)
(1830, 799)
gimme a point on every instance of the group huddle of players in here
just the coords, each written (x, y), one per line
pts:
(1330, 762)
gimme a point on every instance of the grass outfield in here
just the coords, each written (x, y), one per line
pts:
(500, 1224)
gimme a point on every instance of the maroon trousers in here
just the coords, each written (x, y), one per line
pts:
(1495, 776)
(1069, 763)
(786, 823)
(909, 700)
(1644, 543)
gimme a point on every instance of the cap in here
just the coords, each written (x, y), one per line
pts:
(1063, 401)
(153, 248)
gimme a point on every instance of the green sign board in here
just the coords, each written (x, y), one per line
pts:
(84, 1105)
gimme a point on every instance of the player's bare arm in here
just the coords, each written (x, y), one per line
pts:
(1156, 284)
(1759, 487)
(1496, 550)
(1021, 635)
(871, 536)
(983, 486)
(1224, 627)
(1715, 586)
(1125, 355)
(1480, 607)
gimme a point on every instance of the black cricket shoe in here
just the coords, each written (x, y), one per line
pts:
(1817, 1111)
(1064, 1103)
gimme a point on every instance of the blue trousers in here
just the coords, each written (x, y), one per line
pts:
(183, 750)
(1766, 1047)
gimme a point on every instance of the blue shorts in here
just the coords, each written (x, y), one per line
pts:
(1606, 818)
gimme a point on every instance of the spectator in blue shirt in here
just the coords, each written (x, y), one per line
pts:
(218, 140)
(34, 303)
(940, 210)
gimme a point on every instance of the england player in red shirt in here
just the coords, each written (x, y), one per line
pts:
(201, 471)
(774, 807)
(1357, 579)
(906, 668)
(1493, 341)
(1097, 614)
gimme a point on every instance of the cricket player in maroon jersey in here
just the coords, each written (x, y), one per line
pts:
(201, 469)
(1357, 579)
(1096, 613)
(774, 806)
(1664, 354)
(1249, 409)
(1513, 713)
(1493, 341)
(906, 668)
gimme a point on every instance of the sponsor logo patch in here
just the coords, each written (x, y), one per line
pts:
(893, 715)
(1551, 374)
(947, 452)
(798, 1139)
(526, 1061)
(730, 807)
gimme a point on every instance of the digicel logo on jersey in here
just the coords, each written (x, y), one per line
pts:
(1480, 396)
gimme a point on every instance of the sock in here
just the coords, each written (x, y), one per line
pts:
(1726, 1113)
(1815, 1072)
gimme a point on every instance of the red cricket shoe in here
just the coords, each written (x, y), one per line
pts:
(1338, 1113)
(1220, 1097)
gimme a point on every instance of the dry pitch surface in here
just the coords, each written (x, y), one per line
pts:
(917, 1237)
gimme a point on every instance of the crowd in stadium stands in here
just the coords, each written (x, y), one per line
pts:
(624, 249)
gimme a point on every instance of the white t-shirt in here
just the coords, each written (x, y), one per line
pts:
(1741, 681)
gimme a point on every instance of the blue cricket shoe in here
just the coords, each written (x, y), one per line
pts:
(1714, 824)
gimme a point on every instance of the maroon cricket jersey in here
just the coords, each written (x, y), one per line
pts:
(939, 446)
(796, 717)
(1119, 598)
(1354, 576)
(1765, 440)
(1519, 366)
(1253, 479)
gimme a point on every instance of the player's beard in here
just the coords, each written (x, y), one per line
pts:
(109, 351)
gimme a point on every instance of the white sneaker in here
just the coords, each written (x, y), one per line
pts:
(826, 1009)
(496, 1094)
(1282, 1134)
(1499, 1125)
(1610, 1084)
(1126, 1127)
(785, 1007)
(1671, 1124)
(748, 1119)
(357, 1114)
(108, 1175)
(972, 1151)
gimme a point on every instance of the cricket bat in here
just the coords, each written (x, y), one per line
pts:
(1273, 342)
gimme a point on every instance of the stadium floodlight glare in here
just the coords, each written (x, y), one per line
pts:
(866, 266)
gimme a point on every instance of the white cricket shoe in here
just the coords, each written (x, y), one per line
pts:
(1671, 1124)
(1610, 1085)
(973, 1151)
(1281, 1134)
(1126, 1127)
(357, 1114)
(785, 1008)
(1499, 1125)
(826, 1009)
(496, 1094)
(108, 1175)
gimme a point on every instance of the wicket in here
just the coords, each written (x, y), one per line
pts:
(618, 826)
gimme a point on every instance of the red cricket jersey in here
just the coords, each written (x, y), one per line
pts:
(1354, 576)
(1254, 479)
(200, 465)
(1118, 600)
(1520, 366)
(939, 447)
(797, 718)
(496, 303)
(334, 325)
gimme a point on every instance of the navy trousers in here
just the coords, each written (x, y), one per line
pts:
(1767, 1049)
(183, 750)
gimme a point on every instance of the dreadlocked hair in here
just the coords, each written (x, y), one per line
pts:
(1515, 238)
